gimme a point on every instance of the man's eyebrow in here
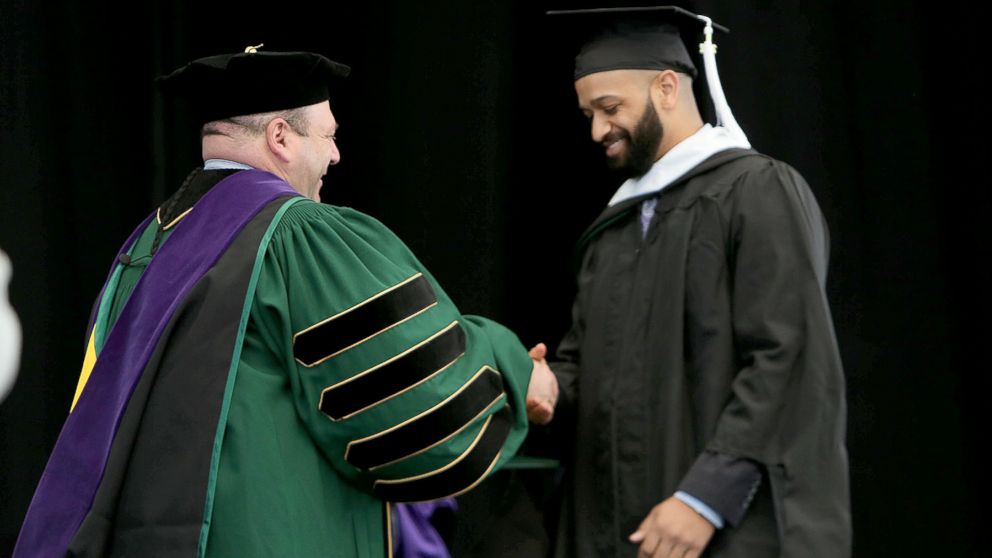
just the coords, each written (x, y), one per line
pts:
(598, 101)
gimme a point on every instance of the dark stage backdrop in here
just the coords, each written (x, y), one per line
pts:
(459, 131)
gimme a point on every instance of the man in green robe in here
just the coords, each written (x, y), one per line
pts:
(265, 373)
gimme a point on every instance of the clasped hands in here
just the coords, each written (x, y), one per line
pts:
(542, 392)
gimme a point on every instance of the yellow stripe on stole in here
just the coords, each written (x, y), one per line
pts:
(89, 361)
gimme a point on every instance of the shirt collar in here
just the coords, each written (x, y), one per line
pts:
(217, 164)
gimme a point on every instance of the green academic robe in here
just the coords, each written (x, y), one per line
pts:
(356, 382)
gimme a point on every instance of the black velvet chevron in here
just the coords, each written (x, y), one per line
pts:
(457, 478)
(361, 322)
(431, 428)
(389, 379)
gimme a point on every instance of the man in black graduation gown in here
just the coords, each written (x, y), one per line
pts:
(701, 379)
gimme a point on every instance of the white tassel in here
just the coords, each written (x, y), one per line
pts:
(724, 117)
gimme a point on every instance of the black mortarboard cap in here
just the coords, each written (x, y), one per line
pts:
(633, 38)
(252, 82)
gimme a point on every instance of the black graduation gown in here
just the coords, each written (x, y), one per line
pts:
(712, 333)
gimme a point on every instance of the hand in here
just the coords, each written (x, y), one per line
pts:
(672, 529)
(542, 393)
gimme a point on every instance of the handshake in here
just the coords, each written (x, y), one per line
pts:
(542, 392)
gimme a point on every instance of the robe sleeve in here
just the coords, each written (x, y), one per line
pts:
(404, 395)
(566, 367)
(725, 484)
(780, 317)
(557, 438)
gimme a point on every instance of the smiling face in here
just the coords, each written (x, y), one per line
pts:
(623, 118)
(314, 152)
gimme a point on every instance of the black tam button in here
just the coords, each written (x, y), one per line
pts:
(244, 83)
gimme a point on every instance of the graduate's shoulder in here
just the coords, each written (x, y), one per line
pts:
(768, 176)
(763, 188)
(750, 174)
(732, 167)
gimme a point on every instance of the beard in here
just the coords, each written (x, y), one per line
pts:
(642, 145)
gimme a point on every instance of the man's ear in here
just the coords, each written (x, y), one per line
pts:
(279, 139)
(665, 88)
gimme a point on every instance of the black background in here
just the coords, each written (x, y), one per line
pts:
(459, 130)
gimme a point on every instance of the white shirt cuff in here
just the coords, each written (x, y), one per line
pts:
(701, 508)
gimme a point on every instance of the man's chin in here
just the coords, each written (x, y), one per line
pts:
(616, 162)
(619, 167)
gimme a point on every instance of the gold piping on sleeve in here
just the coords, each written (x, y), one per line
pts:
(356, 306)
(426, 412)
(362, 303)
(158, 218)
(380, 365)
(475, 483)
(353, 345)
(481, 478)
(501, 398)
(458, 460)
(389, 529)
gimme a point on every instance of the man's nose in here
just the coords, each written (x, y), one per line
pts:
(335, 154)
(600, 127)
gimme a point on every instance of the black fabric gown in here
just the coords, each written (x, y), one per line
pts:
(712, 333)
